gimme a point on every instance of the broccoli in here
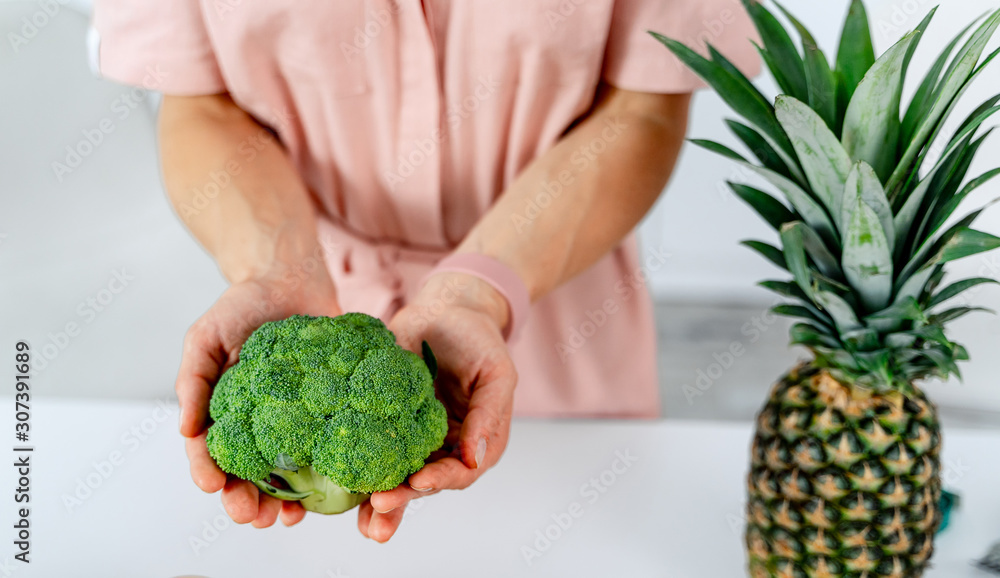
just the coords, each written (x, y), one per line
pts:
(325, 411)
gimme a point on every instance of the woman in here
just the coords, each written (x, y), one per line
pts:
(330, 154)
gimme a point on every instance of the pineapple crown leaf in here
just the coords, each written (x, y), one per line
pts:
(773, 211)
(784, 60)
(955, 289)
(861, 212)
(855, 55)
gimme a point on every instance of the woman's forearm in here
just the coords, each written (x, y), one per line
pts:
(235, 188)
(577, 201)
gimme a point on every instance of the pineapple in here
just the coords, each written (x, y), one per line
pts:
(845, 467)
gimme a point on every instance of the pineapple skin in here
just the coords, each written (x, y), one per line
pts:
(843, 481)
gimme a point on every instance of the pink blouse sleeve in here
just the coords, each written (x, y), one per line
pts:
(634, 60)
(158, 44)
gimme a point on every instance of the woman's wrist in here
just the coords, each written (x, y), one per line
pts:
(299, 286)
(449, 288)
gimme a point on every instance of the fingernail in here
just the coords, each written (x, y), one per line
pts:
(383, 511)
(180, 420)
(422, 489)
(480, 452)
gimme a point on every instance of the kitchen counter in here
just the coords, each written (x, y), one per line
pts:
(111, 496)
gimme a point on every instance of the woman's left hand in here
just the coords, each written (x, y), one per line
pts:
(461, 317)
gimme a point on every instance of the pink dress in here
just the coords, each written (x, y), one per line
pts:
(407, 118)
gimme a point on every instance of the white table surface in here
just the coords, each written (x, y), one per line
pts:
(675, 512)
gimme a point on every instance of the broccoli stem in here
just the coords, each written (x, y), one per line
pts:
(315, 491)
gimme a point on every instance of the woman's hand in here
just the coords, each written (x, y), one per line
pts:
(211, 346)
(461, 318)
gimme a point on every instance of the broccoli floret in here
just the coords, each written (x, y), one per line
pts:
(231, 395)
(400, 444)
(325, 411)
(389, 382)
(277, 378)
(371, 333)
(286, 428)
(324, 392)
(231, 443)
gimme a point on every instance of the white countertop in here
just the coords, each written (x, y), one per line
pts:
(675, 511)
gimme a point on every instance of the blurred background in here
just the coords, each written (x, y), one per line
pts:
(75, 228)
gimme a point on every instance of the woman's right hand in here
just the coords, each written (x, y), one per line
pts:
(211, 346)
(262, 230)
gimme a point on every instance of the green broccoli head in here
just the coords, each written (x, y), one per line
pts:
(325, 411)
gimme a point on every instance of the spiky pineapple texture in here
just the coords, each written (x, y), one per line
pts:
(843, 482)
(863, 232)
